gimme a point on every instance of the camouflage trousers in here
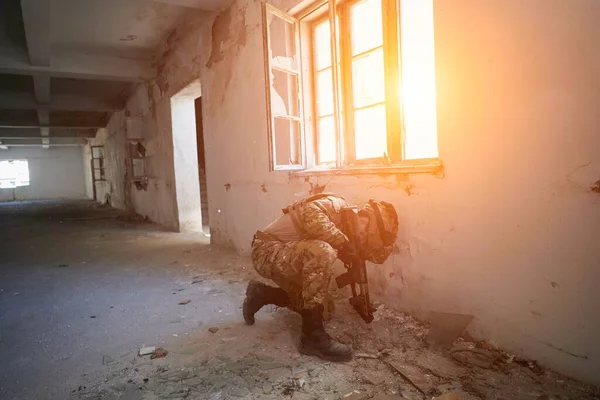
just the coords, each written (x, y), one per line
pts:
(303, 269)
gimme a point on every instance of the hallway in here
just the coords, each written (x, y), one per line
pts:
(79, 281)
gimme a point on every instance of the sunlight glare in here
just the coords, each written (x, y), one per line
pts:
(418, 79)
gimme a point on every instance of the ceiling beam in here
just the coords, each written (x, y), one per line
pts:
(41, 87)
(40, 142)
(59, 102)
(77, 65)
(38, 126)
(6, 133)
(36, 21)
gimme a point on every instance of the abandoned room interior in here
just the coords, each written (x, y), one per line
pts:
(143, 143)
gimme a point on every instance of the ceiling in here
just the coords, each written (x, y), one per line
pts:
(66, 65)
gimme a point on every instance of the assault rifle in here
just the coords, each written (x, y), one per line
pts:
(357, 271)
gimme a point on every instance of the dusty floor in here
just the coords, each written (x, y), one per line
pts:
(82, 288)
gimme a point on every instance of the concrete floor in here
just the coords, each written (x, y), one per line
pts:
(79, 281)
(83, 287)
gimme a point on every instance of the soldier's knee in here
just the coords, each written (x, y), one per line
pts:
(323, 251)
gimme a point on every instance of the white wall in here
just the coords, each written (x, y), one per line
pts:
(510, 234)
(54, 173)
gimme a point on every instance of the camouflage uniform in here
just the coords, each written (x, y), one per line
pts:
(297, 252)
(303, 268)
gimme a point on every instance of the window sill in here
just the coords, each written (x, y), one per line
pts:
(429, 166)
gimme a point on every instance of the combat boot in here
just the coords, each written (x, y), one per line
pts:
(258, 295)
(315, 341)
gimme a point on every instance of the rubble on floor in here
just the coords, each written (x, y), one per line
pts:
(392, 362)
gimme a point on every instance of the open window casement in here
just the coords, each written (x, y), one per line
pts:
(284, 106)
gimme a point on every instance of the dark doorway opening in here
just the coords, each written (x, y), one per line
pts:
(201, 164)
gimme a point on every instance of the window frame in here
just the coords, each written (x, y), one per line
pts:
(268, 64)
(306, 17)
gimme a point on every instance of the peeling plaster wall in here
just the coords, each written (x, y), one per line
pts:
(113, 189)
(510, 234)
(179, 64)
(54, 173)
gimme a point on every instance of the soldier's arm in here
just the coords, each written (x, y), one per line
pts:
(318, 225)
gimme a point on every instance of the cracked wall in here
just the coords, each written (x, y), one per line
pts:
(509, 234)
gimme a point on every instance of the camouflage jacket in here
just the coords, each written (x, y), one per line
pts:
(319, 217)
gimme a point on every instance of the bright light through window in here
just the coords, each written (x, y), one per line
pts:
(14, 173)
(418, 79)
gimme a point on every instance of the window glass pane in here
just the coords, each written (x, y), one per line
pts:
(282, 49)
(322, 45)
(284, 94)
(370, 132)
(324, 93)
(287, 142)
(366, 26)
(368, 78)
(418, 71)
(326, 139)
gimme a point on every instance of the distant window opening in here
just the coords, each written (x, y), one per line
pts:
(186, 159)
(14, 173)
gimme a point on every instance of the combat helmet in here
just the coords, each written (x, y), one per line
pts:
(382, 231)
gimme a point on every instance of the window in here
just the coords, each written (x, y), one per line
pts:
(375, 109)
(14, 173)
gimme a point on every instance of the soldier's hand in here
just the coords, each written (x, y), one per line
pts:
(346, 253)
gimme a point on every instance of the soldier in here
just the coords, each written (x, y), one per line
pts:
(297, 252)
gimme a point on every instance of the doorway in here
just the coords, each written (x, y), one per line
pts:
(189, 160)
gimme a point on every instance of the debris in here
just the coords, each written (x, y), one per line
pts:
(414, 376)
(107, 360)
(198, 281)
(446, 328)
(356, 395)
(267, 388)
(531, 374)
(384, 352)
(366, 355)
(159, 353)
(213, 329)
(63, 265)
(477, 358)
(144, 351)
(184, 302)
(383, 396)
(449, 396)
(374, 379)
